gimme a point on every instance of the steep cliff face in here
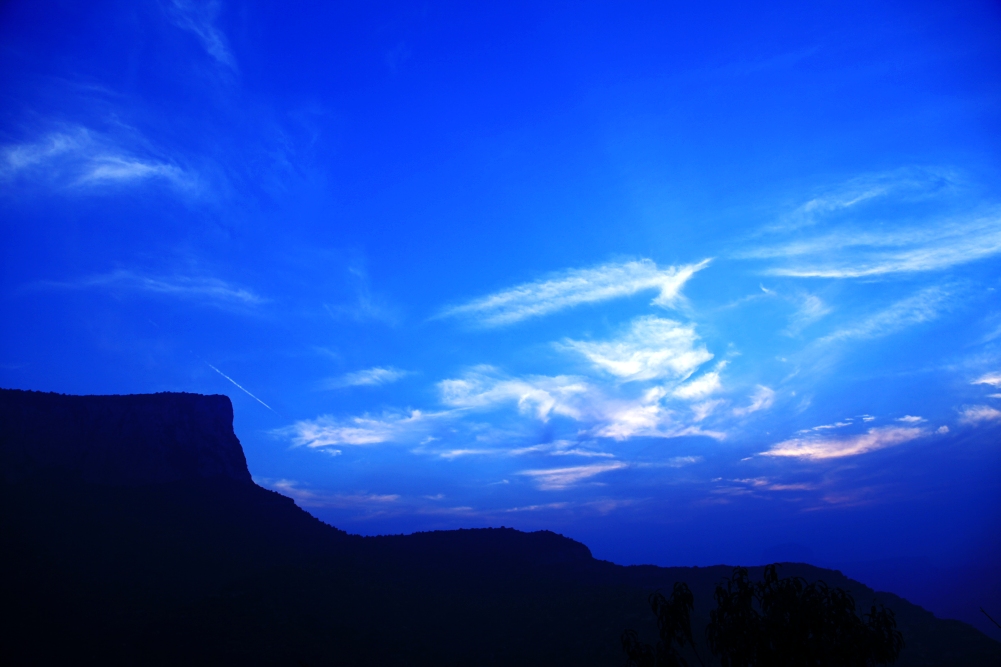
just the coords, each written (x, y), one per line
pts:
(121, 440)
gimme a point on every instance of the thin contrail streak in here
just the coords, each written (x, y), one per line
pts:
(239, 387)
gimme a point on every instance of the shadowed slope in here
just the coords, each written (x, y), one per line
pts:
(175, 557)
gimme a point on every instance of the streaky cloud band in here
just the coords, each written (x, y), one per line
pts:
(574, 287)
(819, 449)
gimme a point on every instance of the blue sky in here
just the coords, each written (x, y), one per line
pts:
(692, 284)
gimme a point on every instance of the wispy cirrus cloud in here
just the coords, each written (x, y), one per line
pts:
(208, 290)
(576, 287)
(305, 497)
(748, 486)
(369, 377)
(976, 414)
(907, 184)
(199, 19)
(560, 448)
(557, 479)
(652, 348)
(916, 309)
(78, 159)
(992, 379)
(862, 253)
(811, 309)
(821, 448)
(762, 399)
(391, 427)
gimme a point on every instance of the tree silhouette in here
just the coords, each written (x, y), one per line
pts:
(674, 626)
(774, 623)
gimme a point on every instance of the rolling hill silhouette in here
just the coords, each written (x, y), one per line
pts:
(134, 535)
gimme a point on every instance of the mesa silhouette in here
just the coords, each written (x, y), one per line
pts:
(133, 534)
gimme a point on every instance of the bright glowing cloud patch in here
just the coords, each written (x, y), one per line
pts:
(599, 414)
(556, 479)
(652, 348)
(992, 379)
(112, 168)
(820, 448)
(700, 387)
(575, 287)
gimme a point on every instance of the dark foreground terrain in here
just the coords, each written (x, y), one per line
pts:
(133, 535)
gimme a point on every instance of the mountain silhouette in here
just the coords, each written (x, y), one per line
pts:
(134, 535)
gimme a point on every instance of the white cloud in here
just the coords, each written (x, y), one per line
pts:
(701, 387)
(679, 461)
(819, 448)
(78, 158)
(823, 205)
(828, 427)
(560, 448)
(556, 479)
(749, 485)
(369, 377)
(456, 453)
(307, 498)
(921, 307)
(652, 348)
(542, 395)
(199, 18)
(942, 429)
(326, 431)
(200, 288)
(762, 399)
(575, 287)
(859, 253)
(630, 419)
(976, 414)
(911, 419)
(621, 420)
(906, 184)
(110, 168)
(19, 157)
(536, 508)
(811, 309)
(571, 397)
(992, 379)
(702, 410)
